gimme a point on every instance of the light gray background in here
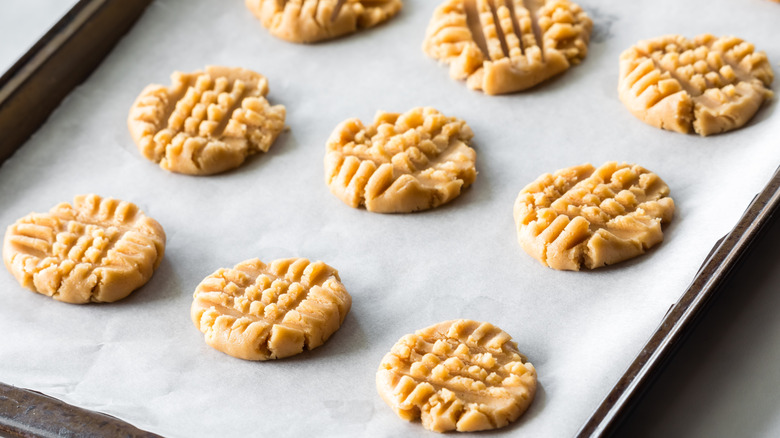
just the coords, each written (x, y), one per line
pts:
(23, 22)
(580, 340)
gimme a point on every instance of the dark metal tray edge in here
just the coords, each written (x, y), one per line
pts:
(29, 414)
(29, 92)
(62, 59)
(724, 258)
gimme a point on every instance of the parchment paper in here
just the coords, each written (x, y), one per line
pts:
(142, 360)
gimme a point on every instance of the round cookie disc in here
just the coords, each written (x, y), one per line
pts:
(96, 250)
(457, 375)
(495, 44)
(205, 122)
(583, 216)
(402, 162)
(710, 84)
(256, 311)
(309, 21)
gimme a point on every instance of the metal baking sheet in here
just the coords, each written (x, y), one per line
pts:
(141, 359)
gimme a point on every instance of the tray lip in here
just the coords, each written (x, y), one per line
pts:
(40, 415)
(678, 322)
(681, 318)
(23, 412)
(63, 58)
(52, 40)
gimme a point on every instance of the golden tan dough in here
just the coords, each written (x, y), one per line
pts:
(587, 217)
(309, 21)
(711, 85)
(256, 311)
(402, 162)
(457, 375)
(205, 122)
(503, 46)
(96, 250)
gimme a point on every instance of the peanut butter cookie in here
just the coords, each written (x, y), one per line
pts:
(457, 375)
(96, 250)
(206, 122)
(402, 162)
(309, 21)
(256, 311)
(583, 216)
(707, 84)
(503, 46)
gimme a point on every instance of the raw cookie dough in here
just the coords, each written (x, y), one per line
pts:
(457, 375)
(583, 216)
(96, 250)
(402, 162)
(710, 84)
(309, 21)
(507, 57)
(257, 311)
(205, 122)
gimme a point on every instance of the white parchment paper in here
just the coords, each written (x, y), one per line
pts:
(142, 360)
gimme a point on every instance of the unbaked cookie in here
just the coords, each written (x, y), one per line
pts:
(402, 162)
(96, 250)
(710, 84)
(457, 375)
(205, 122)
(309, 21)
(256, 311)
(503, 46)
(583, 216)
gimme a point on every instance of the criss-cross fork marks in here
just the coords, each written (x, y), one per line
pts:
(206, 122)
(313, 8)
(318, 10)
(402, 162)
(505, 28)
(96, 250)
(501, 46)
(257, 311)
(307, 21)
(462, 375)
(709, 84)
(582, 216)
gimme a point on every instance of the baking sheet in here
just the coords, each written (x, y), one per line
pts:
(16, 27)
(142, 360)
